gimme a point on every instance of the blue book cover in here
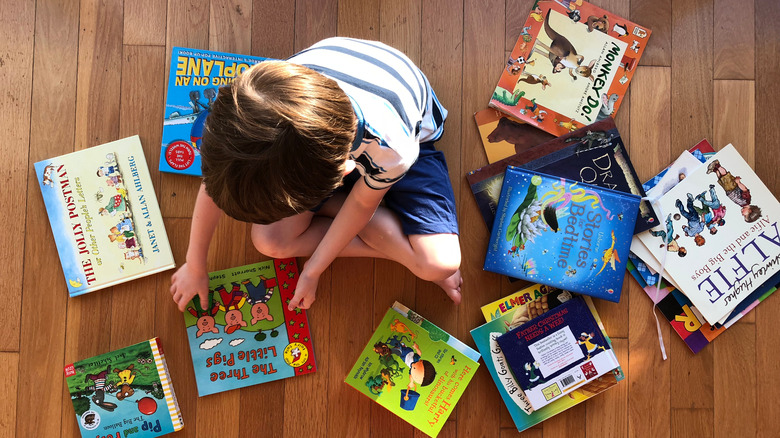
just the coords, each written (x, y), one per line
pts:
(562, 233)
(557, 352)
(194, 79)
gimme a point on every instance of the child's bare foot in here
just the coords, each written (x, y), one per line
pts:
(451, 286)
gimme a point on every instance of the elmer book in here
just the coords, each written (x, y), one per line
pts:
(126, 392)
(570, 67)
(247, 336)
(193, 82)
(414, 369)
(533, 301)
(562, 233)
(557, 352)
(104, 215)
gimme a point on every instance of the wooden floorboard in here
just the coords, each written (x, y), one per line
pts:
(77, 73)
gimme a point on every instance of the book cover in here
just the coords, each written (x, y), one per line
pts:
(247, 336)
(125, 392)
(723, 219)
(571, 66)
(414, 369)
(193, 82)
(532, 301)
(562, 233)
(557, 352)
(503, 136)
(104, 215)
(514, 399)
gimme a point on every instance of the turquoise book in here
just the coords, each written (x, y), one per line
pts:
(562, 233)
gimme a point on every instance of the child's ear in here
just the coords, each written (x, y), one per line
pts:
(349, 166)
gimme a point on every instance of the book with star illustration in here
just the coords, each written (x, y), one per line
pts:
(562, 233)
(247, 336)
(414, 369)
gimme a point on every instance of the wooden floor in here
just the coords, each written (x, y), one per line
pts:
(76, 74)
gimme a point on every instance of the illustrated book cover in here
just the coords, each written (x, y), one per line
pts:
(193, 82)
(723, 219)
(523, 415)
(104, 215)
(414, 369)
(555, 353)
(571, 66)
(503, 136)
(247, 336)
(532, 301)
(562, 233)
(126, 392)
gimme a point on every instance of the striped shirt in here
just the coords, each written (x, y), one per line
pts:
(393, 101)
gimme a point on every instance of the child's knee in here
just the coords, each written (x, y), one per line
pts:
(270, 243)
(439, 265)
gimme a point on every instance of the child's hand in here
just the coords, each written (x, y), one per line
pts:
(188, 281)
(304, 291)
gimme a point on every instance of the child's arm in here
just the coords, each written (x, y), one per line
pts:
(353, 216)
(192, 278)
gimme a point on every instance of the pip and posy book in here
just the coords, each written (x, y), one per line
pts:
(104, 215)
(247, 336)
(414, 369)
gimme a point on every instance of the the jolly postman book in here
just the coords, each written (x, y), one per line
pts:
(247, 336)
(104, 215)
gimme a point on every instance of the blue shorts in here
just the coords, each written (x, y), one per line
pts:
(423, 199)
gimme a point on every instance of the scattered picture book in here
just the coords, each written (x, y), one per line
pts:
(193, 82)
(414, 369)
(562, 233)
(533, 300)
(126, 392)
(553, 354)
(723, 219)
(104, 215)
(504, 136)
(594, 154)
(520, 409)
(571, 66)
(247, 336)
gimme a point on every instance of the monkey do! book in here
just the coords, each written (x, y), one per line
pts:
(194, 79)
(570, 67)
(557, 352)
(247, 336)
(104, 215)
(124, 393)
(562, 233)
(414, 369)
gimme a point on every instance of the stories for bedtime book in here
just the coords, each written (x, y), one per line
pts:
(562, 233)
(247, 336)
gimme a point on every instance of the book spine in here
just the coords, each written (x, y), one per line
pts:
(170, 397)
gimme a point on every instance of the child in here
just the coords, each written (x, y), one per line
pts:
(736, 191)
(307, 150)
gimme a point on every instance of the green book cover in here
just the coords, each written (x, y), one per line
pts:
(414, 369)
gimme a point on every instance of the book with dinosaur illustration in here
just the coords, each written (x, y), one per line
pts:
(104, 215)
(523, 415)
(557, 352)
(594, 154)
(247, 336)
(193, 82)
(125, 392)
(562, 233)
(723, 219)
(414, 369)
(570, 67)
(503, 136)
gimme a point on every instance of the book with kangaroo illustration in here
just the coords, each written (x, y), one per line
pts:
(557, 352)
(570, 67)
(723, 219)
(414, 369)
(594, 154)
(530, 301)
(104, 215)
(503, 136)
(125, 392)
(247, 336)
(562, 233)
(193, 82)
(523, 415)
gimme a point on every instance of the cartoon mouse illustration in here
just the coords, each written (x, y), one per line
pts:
(562, 54)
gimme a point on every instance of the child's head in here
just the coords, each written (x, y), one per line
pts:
(682, 252)
(422, 372)
(751, 213)
(276, 142)
(699, 239)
